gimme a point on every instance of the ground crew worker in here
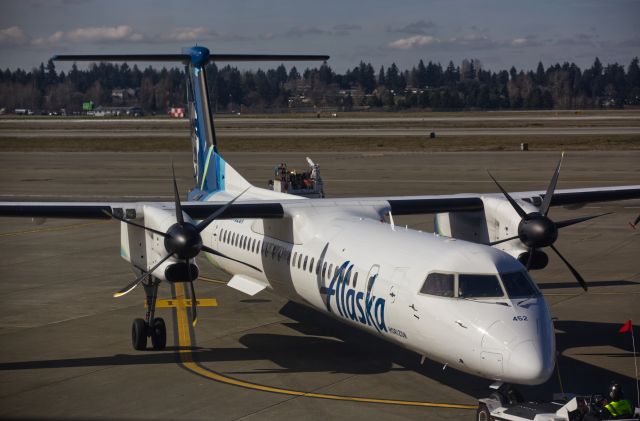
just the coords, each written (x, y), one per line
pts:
(618, 406)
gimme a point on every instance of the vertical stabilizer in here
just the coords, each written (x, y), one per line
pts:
(211, 172)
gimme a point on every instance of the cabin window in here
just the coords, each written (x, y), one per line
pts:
(479, 286)
(355, 279)
(253, 245)
(299, 260)
(295, 256)
(279, 253)
(519, 285)
(222, 237)
(329, 271)
(348, 281)
(311, 265)
(440, 284)
(304, 266)
(273, 251)
(288, 257)
(324, 270)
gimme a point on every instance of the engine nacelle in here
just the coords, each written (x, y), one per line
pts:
(540, 259)
(497, 221)
(178, 272)
(143, 249)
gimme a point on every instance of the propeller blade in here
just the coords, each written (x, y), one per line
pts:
(194, 304)
(504, 240)
(515, 205)
(633, 225)
(139, 279)
(162, 234)
(546, 203)
(530, 257)
(569, 222)
(179, 215)
(204, 224)
(217, 253)
(575, 273)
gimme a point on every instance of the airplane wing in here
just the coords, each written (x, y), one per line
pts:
(398, 205)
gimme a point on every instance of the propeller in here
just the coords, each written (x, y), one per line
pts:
(635, 223)
(183, 241)
(536, 230)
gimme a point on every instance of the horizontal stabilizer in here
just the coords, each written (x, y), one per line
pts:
(186, 58)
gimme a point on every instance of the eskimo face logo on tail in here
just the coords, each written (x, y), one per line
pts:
(359, 306)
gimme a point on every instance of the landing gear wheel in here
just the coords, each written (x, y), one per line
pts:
(158, 334)
(483, 414)
(139, 334)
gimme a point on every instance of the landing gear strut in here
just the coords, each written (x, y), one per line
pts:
(150, 326)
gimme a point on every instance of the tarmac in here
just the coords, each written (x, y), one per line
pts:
(65, 350)
(324, 132)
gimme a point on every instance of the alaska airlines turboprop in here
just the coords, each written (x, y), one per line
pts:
(461, 296)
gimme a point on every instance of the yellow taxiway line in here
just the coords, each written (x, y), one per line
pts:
(188, 361)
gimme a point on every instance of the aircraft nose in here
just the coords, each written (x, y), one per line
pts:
(530, 363)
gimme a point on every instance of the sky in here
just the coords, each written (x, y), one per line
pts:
(499, 33)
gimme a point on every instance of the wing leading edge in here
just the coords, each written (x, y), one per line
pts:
(399, 205)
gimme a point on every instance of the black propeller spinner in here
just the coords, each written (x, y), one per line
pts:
(536, 230)
(182, 240)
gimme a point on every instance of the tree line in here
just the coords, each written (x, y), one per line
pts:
(424, 86)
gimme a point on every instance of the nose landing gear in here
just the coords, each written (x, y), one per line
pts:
(150, 326)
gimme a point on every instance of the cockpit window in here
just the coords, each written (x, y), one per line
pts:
(440, 284)
(479, 286)
(518, 285)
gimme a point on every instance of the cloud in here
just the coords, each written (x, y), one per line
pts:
(298, 31)
(104, 34)
(198, 33)
(528, 41)
(468, 42)
(413, 42)
(53, 39)
(420, 27)
(190, 34)
(465, 42)
(13, 35)
(345, 29)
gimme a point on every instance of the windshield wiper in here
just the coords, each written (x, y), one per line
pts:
(525, 300)
(477, 300)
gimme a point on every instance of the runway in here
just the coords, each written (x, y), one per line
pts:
(66, 349)
(314, 133)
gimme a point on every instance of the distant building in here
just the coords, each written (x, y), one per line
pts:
(101, 111)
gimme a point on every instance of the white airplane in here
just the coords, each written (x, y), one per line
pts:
(460, 296)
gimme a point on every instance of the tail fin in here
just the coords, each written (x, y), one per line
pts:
(211, 172)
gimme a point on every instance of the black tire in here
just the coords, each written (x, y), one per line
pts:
(499, 396)
(139, 334)
(483, 414)
(158, 334)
